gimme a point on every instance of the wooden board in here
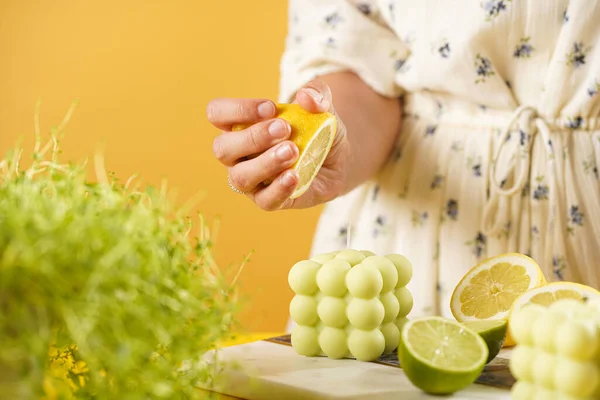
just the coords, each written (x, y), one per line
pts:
(270, 369)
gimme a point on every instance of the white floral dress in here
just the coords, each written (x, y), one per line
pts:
(500, 143)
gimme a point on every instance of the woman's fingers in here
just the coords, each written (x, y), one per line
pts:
(315, 97)
(230, 147)
(277, 195)
(224, 113)
(267, 178)
(248, 175)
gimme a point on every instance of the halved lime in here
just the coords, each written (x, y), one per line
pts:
(441, 356)
(493, 331)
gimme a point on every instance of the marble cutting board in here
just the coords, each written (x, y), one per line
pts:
(271, 370)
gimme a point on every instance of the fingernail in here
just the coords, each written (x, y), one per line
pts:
(278, 129)
(266, 109)
(288, 179)
(318, 97)
(284, 152)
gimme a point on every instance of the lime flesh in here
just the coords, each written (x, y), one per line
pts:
(493, 332)
(441, 356)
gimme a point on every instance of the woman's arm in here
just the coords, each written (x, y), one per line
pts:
(368, 124)
(372, 122)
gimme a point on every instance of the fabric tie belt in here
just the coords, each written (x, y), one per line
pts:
(529, 123)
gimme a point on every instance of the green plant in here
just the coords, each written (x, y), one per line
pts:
(103, 293)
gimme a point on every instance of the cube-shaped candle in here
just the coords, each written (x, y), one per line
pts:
(557, 355)
(349, 304)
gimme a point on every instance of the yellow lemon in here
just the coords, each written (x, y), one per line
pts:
(488, 290)
(314, 134)
(547, 294)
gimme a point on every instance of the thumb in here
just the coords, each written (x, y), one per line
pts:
(315, 97)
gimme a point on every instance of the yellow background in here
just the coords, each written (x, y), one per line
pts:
(143, 72)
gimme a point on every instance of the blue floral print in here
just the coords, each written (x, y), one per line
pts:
(478, 244)
(375, 193)
(483, 68)
(440, 109)
(475, 165)
(380, 226)
(577, 56)
(576, 215)
(399, 63)
(523, 49)
(493, 8)
(430, 130)
(364, 8)
(343, 235)
(452, 209)
(594, 89)
(523, 138)
(565, 16)
(558, 267)
(540, 191)
(576, 218)
(444, 49)
(437, 181)
(333, 19)
(575, 123)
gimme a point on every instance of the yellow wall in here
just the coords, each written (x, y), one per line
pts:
(144, 72)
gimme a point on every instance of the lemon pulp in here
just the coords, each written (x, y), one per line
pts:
(545, 299)
(441, 356)
(489, 290)
(494, 290)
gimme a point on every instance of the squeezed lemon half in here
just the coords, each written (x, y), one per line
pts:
(313, 134)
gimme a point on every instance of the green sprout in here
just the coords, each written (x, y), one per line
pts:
(104, 293)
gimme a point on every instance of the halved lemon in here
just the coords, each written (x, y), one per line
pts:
(488, 290)
(547, 294)
(314, 134)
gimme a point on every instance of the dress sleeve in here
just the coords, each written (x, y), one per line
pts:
(326, 36)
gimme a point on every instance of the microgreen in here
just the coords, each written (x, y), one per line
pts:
(104, 293)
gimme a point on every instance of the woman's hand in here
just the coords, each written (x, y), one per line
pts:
(268, 137)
